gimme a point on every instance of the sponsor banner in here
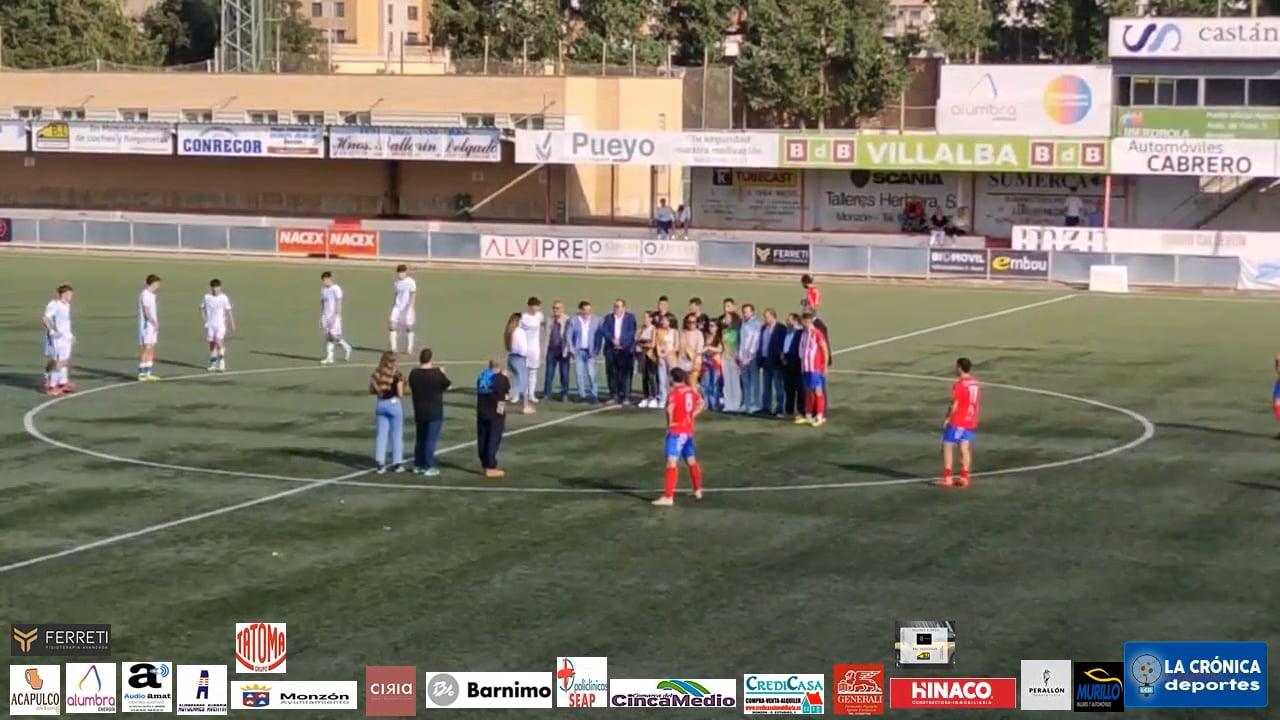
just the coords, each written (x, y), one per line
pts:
(859, 689)
(363, 142)
(1241, 158)
(582, 251)
(746, 199)
(104, 138)
(58, 639)
(674, 693)
(968, 693)
(1051, 100)
(201, 689)
(1004, 200)
(1260, 274)
(582, 682)
(35, 690)
(932, 643)
(1026, 264)
(867, 201)
(6, 230)
(260, 647)
(91, 688)
(294, 694)
(13, 136)
(1252, 246)
(940, 153)
(146, 687)
(471, 690)
(1097, 686)
(1076, 239)
(948, 262)
(390, 691)
(277, 141)
(1195, 674)
(781, 255)
(1207, 38)
(1046, 685)
(337, 241)
(783, 694)
(685, 149)
(1170, 123)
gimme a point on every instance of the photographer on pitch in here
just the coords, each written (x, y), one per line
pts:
(492, 389)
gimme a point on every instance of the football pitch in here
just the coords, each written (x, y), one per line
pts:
(1127, 485)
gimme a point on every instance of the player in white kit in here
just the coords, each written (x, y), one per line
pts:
(331, 318)
(58, 341)
(216, 311)
(532, 321)
(403, 314)
(148, 329)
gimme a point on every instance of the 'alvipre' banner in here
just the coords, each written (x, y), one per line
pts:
(917, 153)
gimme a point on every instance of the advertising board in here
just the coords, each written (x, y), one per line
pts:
(943, 153)
(1194, 38)
(685, 149)
(1025, 100)
(1239, 158)
(1171, 123)
(364, 142)
(625, 252)
(103, 138)
(275, 141)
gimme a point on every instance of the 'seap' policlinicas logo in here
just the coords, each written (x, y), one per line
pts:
(1195, 674)
(582, 682)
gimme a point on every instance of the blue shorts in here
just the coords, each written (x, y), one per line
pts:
(952, 434)
(1275, 392)
(679, 446)
(814, 381)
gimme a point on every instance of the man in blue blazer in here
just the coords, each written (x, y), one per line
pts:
(618, 335)
(773, 337)
(584, 343)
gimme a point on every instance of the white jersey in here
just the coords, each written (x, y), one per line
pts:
(217, 308)
(531, 323)
(147, 306)
(58, 315)
(402, 311)
(331, 310)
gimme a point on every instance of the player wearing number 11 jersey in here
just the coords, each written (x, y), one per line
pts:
(961, 422)
(683, 405)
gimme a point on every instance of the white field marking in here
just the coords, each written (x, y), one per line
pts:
(28, 423)
(955, 323)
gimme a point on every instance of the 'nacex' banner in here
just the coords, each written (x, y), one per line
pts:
(336, 241)
(625, 252)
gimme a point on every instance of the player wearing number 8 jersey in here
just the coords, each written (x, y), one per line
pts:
(961, 422)
(683, 405)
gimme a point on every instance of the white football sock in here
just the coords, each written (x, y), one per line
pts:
(408, 342)
(328, 349)
(394, 336)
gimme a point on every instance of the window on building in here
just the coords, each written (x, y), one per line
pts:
(1224, 92)
(357, 118)
(308, 117)
(412, 39)
(263, 117)
(531, 122)
(317, 9)
(1142, 90)
(71, 113)
(339, 35)
(1264, 92)
(339, 9)
(134, 115)
(479, 120)
(197, 116)
(391, 14)
(413, 12)
(1146, 91)
(28, 113)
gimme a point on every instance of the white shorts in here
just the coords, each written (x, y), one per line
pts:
(148, 335)
(57, 349)
(215, 333)
(332, 329)
(402, 319)
(533, 360)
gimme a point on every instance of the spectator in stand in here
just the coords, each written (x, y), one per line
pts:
(772, 341)
(619, 352)
(664, 218)
(558, 352)
(683, 220)
(1075, 208)
(585, 342)
(691, 344)
(913, 216)
(749, 359)
(730, 324)
(647, 359)
(793, 405)
(712, 366)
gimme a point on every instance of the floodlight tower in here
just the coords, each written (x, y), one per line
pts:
(242, 39)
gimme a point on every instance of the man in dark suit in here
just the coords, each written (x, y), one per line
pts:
(793, 391)
(619, 333)
(773, 337)
(558, 352)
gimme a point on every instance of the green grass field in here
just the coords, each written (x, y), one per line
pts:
(826, 538)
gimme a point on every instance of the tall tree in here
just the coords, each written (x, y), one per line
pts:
(293, 39)
(511, 28)
(56, 33)
(1074, 31)
(805, 61)
(618, 31)
(697, 29)
(965, 29)
(187, 30)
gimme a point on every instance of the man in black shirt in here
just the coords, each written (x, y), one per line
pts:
(427, 384)
(695, 312)
(664, 310)
(492, 389)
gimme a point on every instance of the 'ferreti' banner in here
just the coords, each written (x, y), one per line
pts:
(945, 153)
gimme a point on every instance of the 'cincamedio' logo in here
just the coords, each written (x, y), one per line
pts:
(673, 693)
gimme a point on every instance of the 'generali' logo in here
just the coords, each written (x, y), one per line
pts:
(953, 692)
(260, 648)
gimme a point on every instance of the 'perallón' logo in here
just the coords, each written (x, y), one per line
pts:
(260, 648)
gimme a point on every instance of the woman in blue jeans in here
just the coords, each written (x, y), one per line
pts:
(387, 385)
(517, 342)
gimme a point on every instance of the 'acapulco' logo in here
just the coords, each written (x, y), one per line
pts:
(1153, 37)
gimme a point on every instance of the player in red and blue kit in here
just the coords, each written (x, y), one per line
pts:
(683, 405)
(961, 422)
(1275, 392)
(812, 296)
(814, 355)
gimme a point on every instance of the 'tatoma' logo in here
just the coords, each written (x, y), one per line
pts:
(862, 178)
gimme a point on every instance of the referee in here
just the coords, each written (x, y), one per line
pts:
(492, 389)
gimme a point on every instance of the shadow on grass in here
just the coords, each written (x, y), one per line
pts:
(582, 483)
(337, 457)
(1216, 431)
(1256, 485)
(285, 356)
(880, 470)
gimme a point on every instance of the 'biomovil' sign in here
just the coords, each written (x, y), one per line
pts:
(945, 153)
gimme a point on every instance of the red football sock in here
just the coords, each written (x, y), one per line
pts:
(695, 474)
(821, 402)
(672, 475)
(964, 475)
(809, 404)
(946, 473)
(1276, 409)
